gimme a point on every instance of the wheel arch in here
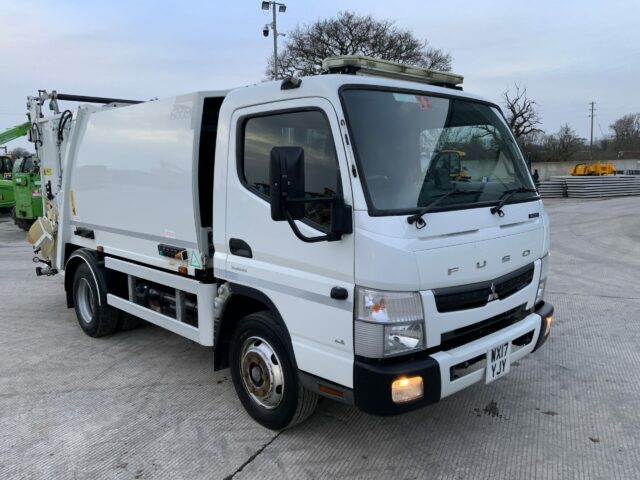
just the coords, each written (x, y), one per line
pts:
(89, 257)
(244, 301)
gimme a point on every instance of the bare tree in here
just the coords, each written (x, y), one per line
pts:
(522, 113)
(605, 143)
(352, 34)
(531, 140)
(626, 131)
(565, 143)
(19, 152)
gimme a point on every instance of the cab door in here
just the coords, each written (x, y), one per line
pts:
(296, 276)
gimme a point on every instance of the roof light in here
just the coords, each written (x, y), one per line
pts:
(361, 65)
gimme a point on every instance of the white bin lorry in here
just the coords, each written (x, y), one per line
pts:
(371, 235)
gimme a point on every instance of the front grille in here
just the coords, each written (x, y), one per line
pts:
(477, 294)
(463, 335)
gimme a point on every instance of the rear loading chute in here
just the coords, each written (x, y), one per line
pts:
(53, 137)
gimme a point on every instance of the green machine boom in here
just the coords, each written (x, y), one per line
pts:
(15, 132)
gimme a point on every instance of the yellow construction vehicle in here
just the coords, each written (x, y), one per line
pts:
(454, 158)
(596, 168)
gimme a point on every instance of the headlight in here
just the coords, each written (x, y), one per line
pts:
(388, 323)
(544, 271)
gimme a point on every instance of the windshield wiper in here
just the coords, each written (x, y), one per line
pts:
(509, 195)
(417, 217)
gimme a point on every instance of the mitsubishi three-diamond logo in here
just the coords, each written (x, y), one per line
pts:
(493, 295)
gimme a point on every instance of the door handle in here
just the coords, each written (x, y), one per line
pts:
(240, 248)
(339, 293)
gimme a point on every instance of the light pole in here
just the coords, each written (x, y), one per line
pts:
(265, 31)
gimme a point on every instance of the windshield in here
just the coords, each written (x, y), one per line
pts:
(413, 148)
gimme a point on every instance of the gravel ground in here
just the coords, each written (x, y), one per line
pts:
(147, 404)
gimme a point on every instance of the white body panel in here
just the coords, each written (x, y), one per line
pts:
(296, 276)
(132, 177)
(393, 255)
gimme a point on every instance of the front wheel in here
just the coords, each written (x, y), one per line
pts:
(264, 377)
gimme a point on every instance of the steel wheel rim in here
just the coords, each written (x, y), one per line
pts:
(261, 372)
(86, 304)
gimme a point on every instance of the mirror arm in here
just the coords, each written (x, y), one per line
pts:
(322, 238)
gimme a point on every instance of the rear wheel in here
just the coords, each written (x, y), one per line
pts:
(95, 318)
(264, 377)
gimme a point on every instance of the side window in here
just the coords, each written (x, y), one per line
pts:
(307, 129)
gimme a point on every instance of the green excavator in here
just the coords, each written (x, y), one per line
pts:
(7, 197)
(27, 191)
(19, 182)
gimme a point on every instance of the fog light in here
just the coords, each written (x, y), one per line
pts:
(547, 320)
(407, 389)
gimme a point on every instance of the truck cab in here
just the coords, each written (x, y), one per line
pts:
(426, 299)
(330, 252)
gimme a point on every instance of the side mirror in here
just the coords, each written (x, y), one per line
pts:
(288, 196)
(286, 179)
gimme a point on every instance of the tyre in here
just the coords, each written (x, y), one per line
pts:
(13, 215)
(263, 374)
(128, 322)
(95, 320)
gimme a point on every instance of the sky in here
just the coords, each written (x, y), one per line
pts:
(567, 53)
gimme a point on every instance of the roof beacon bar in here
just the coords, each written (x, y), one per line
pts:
(361, 65)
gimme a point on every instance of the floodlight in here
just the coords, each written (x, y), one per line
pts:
(265, 5)
(282, 8)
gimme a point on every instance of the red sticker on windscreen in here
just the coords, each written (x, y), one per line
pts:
(423, 102)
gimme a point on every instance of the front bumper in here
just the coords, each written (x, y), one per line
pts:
(441, 372)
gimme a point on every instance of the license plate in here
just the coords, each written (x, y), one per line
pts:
(498, 361)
